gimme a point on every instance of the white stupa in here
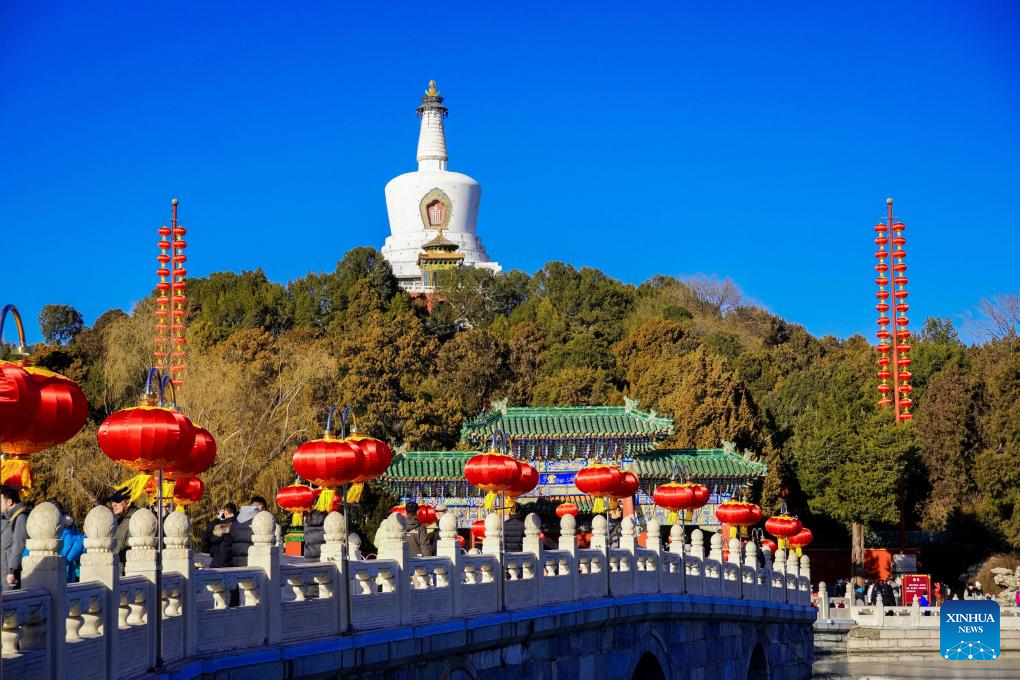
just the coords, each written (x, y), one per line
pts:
(432, 202)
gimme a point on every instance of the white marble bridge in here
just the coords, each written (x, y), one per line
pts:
(571, 612)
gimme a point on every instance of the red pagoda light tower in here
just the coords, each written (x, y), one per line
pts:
(894, 342)
(170, 303)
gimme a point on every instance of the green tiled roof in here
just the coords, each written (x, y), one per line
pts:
(703, 463)
(519, 422)
(658, 464)
(428, 465)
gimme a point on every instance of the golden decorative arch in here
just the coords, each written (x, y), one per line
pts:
(430, 198)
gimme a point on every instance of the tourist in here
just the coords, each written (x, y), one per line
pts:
(434, 529)
(314, 534)
(218, 540)
(123, 509)
(614, 528)
(13, 534)
(240, 532)
(513, 530)
(922, 601)
(72, 541)
(415, 533)
(977, 589)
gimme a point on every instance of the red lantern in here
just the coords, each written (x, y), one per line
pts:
(564, 509)
(627, 487)
(598, 481)
(19, 399)
(328, 461)
(378, 456)
(478, 529)
(801, 539)
(492, 472)
(426, 515)
(460, 541)
(201, 456)
(296, 498)
(527, 481)
(783, 526)
(188, 490)
(147, 438)
(59, 415)
(770, 544)
(738, 513)
(674, 497)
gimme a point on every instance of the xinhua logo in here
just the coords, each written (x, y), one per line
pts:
(969, 630)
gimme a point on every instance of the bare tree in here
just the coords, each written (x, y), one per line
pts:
(997, 318)
(721, 294)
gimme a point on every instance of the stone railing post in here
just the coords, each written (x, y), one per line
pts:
(628, 541)
(805, 567)
(698, 544)
(492, 544)
(141, 561)
(715, 553)
(100, 564)
(568, 535)
(394, 547)
(678, 546)
(264, 555)
(823, 601)
(177, 557)
(600, 542)
(733, 551)
(448, 547)
(44, 568)
(568, 544)
(532, 539)
(653, 538)
(751, 555)
(850, 599)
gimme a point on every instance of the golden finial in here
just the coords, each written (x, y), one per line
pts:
(432, 91)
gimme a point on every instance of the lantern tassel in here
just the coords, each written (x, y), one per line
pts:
(511, 501)
(798, 551)
(672, 517)
(295, 520)
(490, 500)
(134, 488)
(324, 503)
(178, 507)
(354, 493)
(17, 473)
(599, 506)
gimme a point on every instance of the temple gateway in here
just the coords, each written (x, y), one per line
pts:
(559, 441)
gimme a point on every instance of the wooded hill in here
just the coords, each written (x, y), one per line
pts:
(265, 359)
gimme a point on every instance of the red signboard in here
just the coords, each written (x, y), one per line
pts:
(914, 586)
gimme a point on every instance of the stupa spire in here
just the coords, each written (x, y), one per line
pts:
(432, 138)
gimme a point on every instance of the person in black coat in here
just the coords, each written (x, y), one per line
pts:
(416, 535)
(217, 541)
(513, 530)
(314, 534)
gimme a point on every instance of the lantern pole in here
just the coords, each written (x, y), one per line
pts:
(895, 342)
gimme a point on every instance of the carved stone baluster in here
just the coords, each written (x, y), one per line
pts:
(92, 619)
(34, 631)
(137, 616)
(74, 621)
(10, 634)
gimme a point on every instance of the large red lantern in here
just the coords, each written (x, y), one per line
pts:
(54, 410)
(478, 529)
(564, 509)
(328, 462)
(676, 497)
(492, 472)
(801, 539)
(426, 515)
(200, 458)
(738, 513)
(19, 400)
(598, 481)
(187, 490)
(526, 482)
(296, 498)
(627, 487)
(378, 456)
(782, 526)
(146, 438)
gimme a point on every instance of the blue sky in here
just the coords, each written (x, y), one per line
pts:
(754, 140)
